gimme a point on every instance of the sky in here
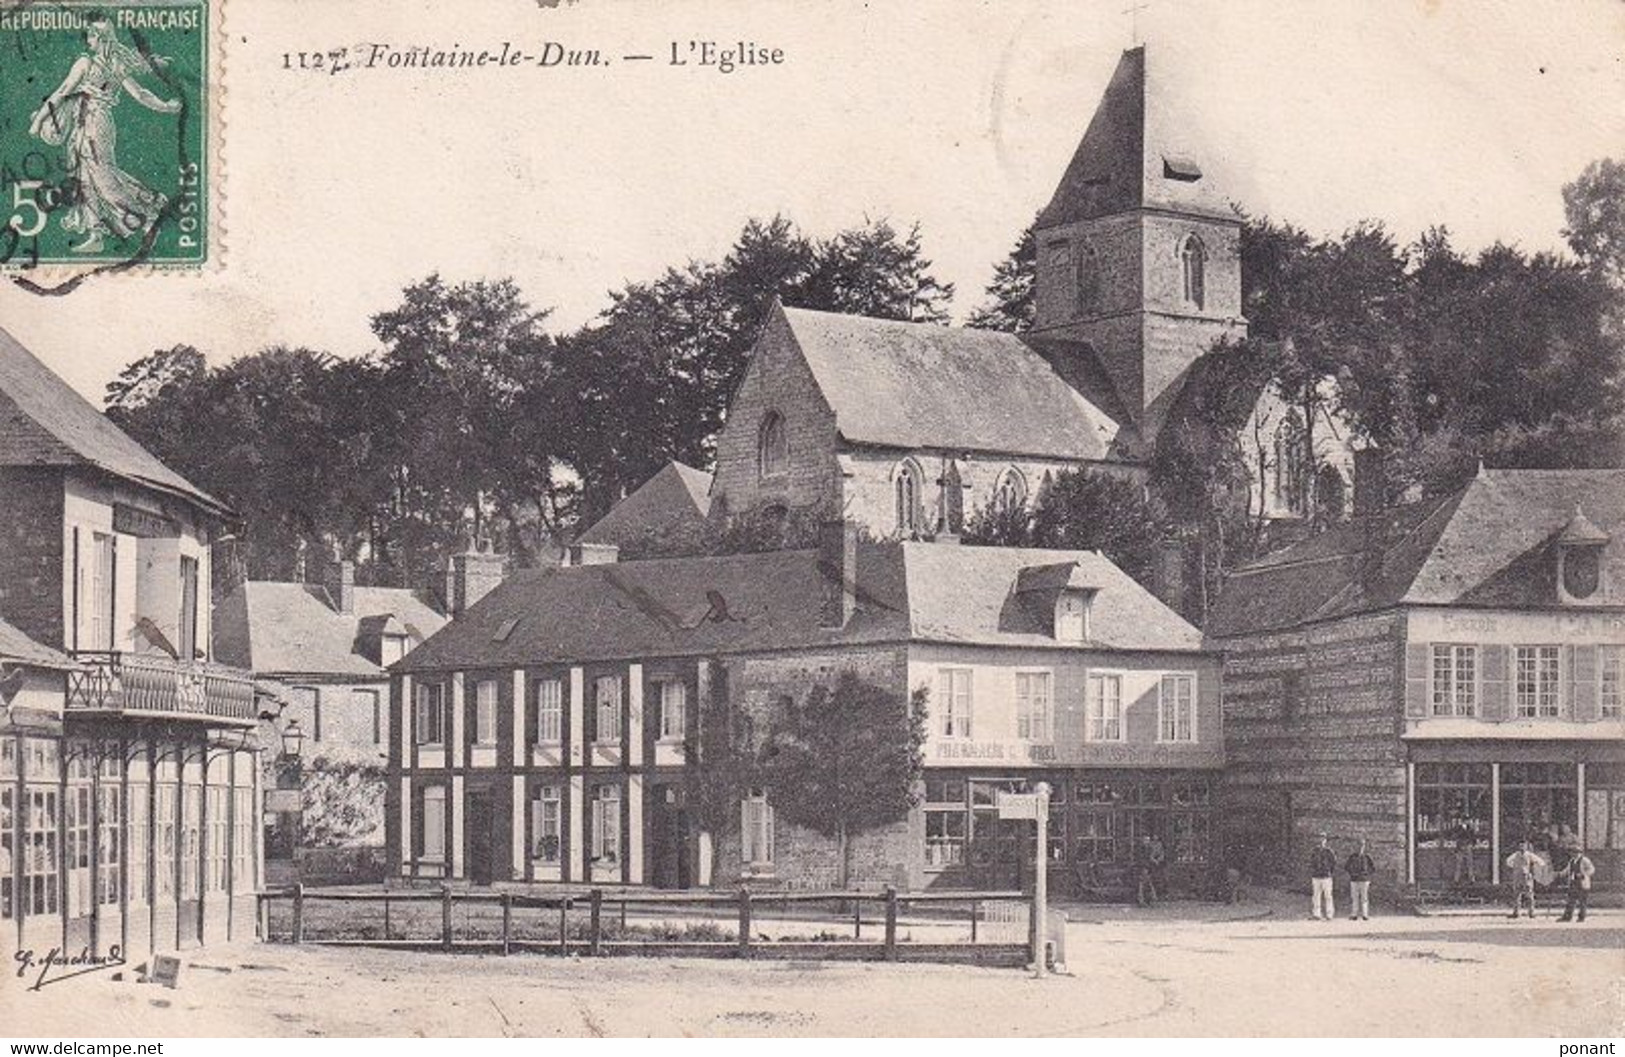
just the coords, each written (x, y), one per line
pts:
(340, 190)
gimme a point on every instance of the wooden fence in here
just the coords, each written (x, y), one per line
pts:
(956, 926)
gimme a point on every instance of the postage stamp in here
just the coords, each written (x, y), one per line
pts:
(105, 134)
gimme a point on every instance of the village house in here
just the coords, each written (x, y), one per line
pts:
(910, 428)
(1444, 679)
(129, 785)
(553, 732)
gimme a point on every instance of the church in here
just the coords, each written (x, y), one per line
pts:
(909, 429)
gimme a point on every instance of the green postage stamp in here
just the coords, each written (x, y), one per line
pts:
(106, 131)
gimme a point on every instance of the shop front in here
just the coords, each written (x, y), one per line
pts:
(1097, 820)
(1473, 804)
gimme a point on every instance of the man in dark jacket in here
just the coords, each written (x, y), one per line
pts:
(1360, 868)
(1322, 865)
(1578, 875)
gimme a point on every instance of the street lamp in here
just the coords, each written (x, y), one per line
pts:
(293, 739)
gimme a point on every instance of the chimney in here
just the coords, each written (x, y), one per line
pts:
(1168, 574)
(838, 568)
(339, 579)
(1370, 482)
(594, 554)
(470, 576)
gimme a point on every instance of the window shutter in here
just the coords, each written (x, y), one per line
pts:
(1583, 706)
(1495, 685)
(1417, 660)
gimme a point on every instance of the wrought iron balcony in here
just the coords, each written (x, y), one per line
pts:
(156, 685)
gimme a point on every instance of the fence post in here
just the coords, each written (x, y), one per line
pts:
(975, 907)
(857, 919)
(387, 929)
(564, 924)
(623, 916)
(891, 923)
(507, 921)
(445, 917)
(596, 939)
(262, 915)
(744, 921)
(298, 912)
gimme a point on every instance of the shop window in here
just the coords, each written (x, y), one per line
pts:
(485, 712)
(1455, 679)
(242, 821)
(8, 848)
(432, 828)
(109, 819)
(41, 859)
(673, 710)
(192, 841)
(954, 702)
(549, 712)
(1540, 804)
(946, 822)
(607, 696)
(1033, 706)
(430, 725)
(140, 834)
(1105, 707)
(1538, 674)
(756, 831)
(1611, 681)
(218, 833)
(546, 834)
(1176, 708)
(1095, 836)
(606, 823)
(1190, 835)
(164, 827)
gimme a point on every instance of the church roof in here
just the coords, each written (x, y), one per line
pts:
(1490, 543)
(44, 422)
(920, 385)
(1136, 152)
(678, 496)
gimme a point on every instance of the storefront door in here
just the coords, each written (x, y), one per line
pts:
(668, 838)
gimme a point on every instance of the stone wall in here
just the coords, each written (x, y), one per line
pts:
(1312, 719)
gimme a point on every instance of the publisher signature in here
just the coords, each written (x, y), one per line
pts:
(69, 965)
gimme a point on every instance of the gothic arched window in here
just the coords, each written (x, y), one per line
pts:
(906, 486)
(1193, 265)
(1011, 491)
(1292, 464)
(774, 445)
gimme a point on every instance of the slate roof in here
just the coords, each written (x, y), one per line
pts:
(1492, 544)
(291, 629)
(1137, 151)
(16, 647)
(743, 603)
(44, 422)
(677, 495)
(919, 385)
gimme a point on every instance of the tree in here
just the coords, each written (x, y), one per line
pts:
(1080, 510)
(846, 759)
(1594, 208)
(1011, 295)
(874, 271)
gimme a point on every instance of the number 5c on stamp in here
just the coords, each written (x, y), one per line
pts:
(106, 133)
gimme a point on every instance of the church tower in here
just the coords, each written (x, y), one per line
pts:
(1138, 254)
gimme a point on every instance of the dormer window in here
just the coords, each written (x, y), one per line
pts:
(391, 648)
(1072, 617)
(774, 446)
(1579, 558)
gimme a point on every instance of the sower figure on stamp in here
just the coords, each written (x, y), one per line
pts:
(1322, 865)
(1360, 868)
(1578, 875)
(79, 117)
(1521, 867)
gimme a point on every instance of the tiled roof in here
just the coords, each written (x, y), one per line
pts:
(1138, 151)
(44, 422)
(919, 385)
(16, 647)
(290, 629)
(673, 607)
(677, 495)
(1492, 543)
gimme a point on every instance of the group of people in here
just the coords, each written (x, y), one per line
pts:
(1526, 867)
(1359, 867)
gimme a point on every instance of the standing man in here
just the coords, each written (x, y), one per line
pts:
(1578, 872)
(1521, 872)
(1145, 888)
(1322, 865)
(1360, 869)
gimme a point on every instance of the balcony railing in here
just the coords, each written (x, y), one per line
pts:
(157, 685)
